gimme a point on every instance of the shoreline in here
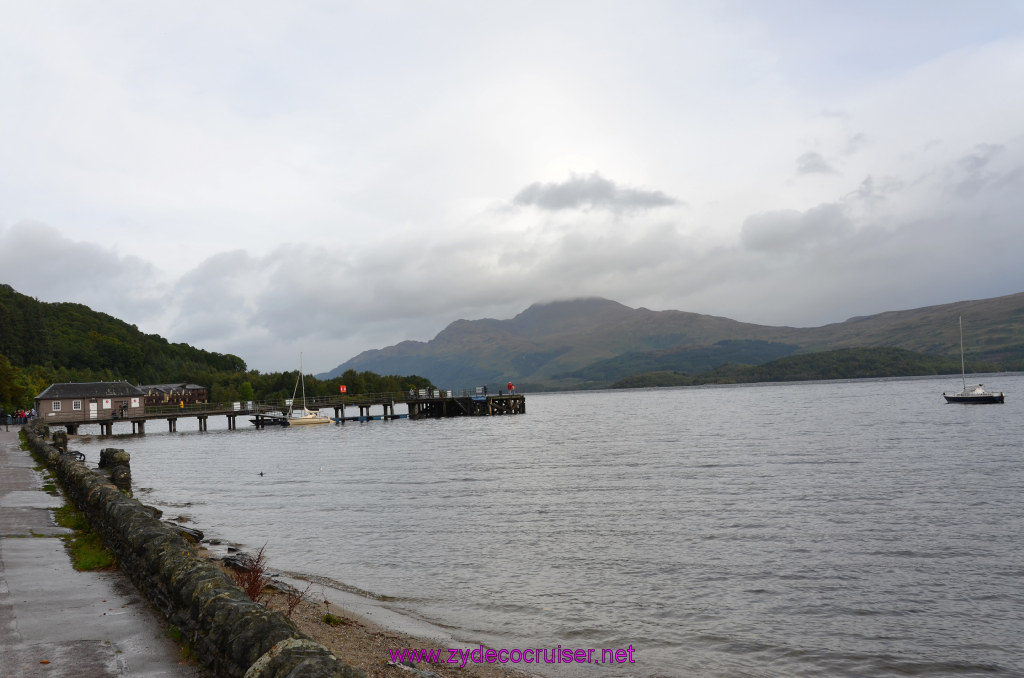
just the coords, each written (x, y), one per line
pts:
(362, 608)
(368, 630)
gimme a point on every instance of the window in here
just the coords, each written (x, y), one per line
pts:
(56, 406)
(76, 404)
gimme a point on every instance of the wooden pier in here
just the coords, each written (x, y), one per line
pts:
(466, 406)
(421, 404)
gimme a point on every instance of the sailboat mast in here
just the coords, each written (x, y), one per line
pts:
(963, 370)
(303, 376)
(291, 405)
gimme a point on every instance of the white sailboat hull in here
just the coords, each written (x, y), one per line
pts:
(306, 419)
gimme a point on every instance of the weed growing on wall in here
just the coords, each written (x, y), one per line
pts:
(251, 575)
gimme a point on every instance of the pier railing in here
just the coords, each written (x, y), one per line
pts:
(311, 402)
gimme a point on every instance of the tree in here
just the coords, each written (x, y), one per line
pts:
(9, 388)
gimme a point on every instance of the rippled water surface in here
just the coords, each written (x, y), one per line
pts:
(824, 529)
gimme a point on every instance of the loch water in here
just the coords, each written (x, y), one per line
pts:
(849, 528)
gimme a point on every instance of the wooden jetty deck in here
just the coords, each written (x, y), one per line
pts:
(421, 404)
(466, 406)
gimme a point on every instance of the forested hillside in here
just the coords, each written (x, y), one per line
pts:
(75, 338)
(43, 343)
(848, 363)
(687, 360)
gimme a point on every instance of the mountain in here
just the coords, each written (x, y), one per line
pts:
(584, 343)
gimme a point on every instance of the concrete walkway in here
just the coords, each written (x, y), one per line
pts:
(55, 621)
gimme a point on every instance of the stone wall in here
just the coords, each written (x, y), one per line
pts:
(232, 635)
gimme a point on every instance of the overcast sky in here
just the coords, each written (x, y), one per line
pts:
(270, 178)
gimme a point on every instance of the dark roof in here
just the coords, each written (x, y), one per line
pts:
(92, 389)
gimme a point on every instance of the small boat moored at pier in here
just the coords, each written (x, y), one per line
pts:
(305, 416)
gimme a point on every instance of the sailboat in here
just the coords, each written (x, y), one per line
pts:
(977, 395)
(305, 416)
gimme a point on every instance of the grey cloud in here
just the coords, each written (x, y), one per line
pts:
(35, 256)
(1014, 179)
(211, 299)
(870, 192)
(613, 260)
(855, 143)
(813, 162)
(980, 157)
(976, 169)
(590, 191)
(792, 231)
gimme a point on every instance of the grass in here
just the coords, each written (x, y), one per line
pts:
(84, 545)
(335, 620)
(188, 653)
(49, 481)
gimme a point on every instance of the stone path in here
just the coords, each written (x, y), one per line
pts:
(54, 620)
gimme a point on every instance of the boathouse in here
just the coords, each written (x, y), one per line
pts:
(97, 400)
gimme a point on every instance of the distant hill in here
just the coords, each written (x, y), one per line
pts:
(592, 343)
(687, 359)
(72, 337)
(844, 363)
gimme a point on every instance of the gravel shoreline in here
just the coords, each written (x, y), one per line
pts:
(365, 645)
